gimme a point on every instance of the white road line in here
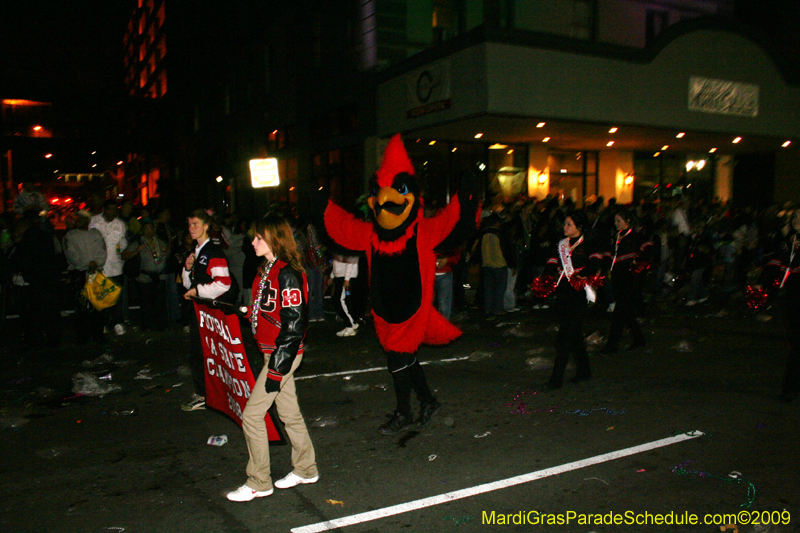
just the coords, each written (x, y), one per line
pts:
(375, 369)
(489, 487)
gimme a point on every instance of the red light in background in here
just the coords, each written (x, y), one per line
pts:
(67, 200)
(55, 201)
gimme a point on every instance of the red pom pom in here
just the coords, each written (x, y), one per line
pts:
(543, 286)
(597, 280)
(640, 268)
(755, 297)
(578, 283)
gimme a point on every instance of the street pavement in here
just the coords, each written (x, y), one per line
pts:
(132, 461)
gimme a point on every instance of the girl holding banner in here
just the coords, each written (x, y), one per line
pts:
(278, 320)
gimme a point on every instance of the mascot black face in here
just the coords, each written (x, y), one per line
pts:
(394, 208)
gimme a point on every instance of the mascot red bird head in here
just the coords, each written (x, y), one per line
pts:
(394, 193)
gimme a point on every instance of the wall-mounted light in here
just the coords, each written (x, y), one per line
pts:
(542, 179)
(478, 135)
(786, 144)
(498, 146)
(613, 130)
(689, 165)
(629, 179)
(700, 164)
(680, 135)
(454, 149)
(510, 152)
(540, 125)
(48, 156)
(665, 147)
(431, 143)
(37, 128)
(712, 150)
(737, 140)
(119, 163)
(546, 139)
(610, 143)
(656, 154)
(219, 179)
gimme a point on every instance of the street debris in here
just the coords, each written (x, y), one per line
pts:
(538, 363)
(432, 457)
(101, 360)
(595, 340)
(581, 412)
(87, 384)
(355, 387)
(733, 477)
(517, 332)
(335, 502)
(323, 422)
(478, 355)
(217, 440)
(683, 347)
(483, 435)
(130, 410)
(597, 478)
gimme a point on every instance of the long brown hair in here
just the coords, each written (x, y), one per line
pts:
(278, 235)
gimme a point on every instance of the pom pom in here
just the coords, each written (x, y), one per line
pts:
(597, 280)
(578, 283)
(755, 297)
(543, 286)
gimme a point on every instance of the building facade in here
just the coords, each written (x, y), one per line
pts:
(576, 98)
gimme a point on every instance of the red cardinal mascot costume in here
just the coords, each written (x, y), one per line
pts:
(399, 244)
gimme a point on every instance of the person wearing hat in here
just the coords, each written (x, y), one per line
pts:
(85, 251)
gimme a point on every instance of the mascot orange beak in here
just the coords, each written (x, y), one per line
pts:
(391, 208)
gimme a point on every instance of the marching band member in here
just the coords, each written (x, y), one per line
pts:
(627, 264)
(573, 274)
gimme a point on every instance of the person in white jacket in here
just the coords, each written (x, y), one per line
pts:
(345, 268)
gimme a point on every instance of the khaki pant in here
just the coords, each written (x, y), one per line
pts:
(255, 430)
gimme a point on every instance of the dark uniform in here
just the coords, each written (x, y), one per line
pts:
(628, 258)
(783, 273)
(571, 308)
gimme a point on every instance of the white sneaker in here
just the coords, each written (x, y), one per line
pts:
(292, 480)
(119, 329)
(245, 494)
(346, 332)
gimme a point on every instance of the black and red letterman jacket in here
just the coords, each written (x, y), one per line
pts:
(281, 325)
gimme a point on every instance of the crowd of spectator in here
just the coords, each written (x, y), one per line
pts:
(700, 249)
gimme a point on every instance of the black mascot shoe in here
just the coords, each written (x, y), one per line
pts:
(397, 423)
(426, 412)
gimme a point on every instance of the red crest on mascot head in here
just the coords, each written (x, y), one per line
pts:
(395, 161)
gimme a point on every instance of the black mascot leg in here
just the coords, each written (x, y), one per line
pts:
(400, 365)
(420, 384)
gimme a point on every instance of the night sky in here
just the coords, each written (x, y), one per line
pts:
(48, 48)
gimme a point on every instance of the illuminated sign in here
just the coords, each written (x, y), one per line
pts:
(264, 172)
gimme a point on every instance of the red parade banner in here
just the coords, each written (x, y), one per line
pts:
(229, 379)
